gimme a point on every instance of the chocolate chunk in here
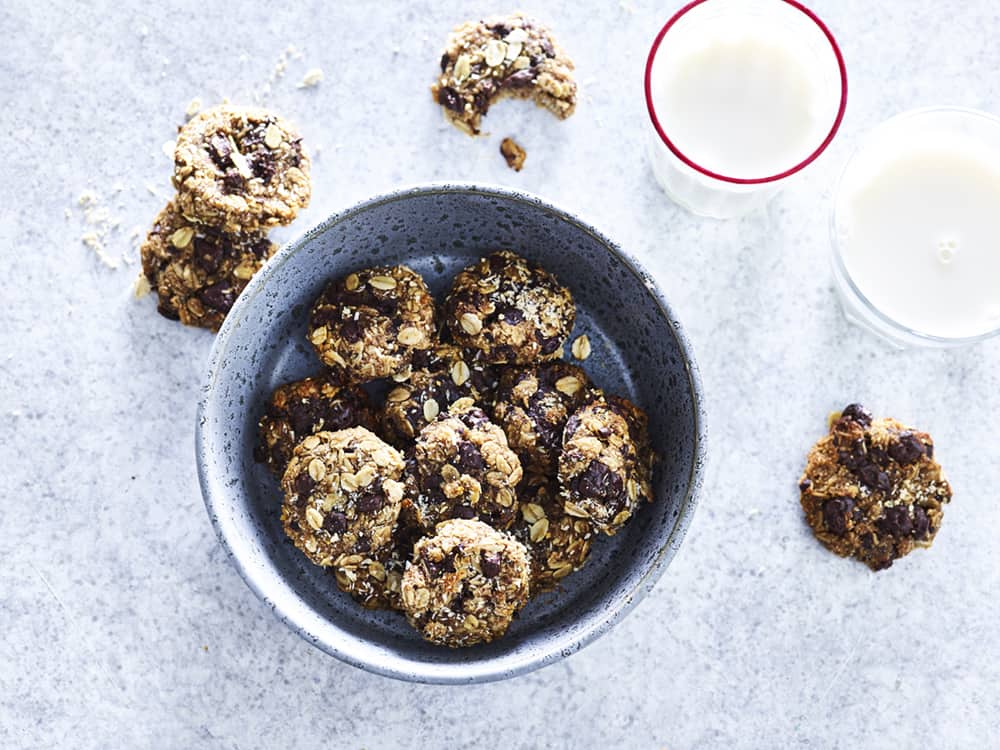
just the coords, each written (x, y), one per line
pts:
(519, 79)
(220, 150)
(895, 522)
(490, 564)
(335, 522)
(857, 413)
(370, 502)
(921, 523)
(303, 485)
(232, 182)
(550, 344)
(444, 62)
(547, 48)
(219, 296)
(805, 484)
(463, 511)
(168, 312)
(469, 458)
(907, 450)
(874, 478)
(264, 165)
(449, 98)
(481, 101)
(351, 331)
(208, 254)
(599, 482)
(511, 315)
(500, 29)
(835, 513)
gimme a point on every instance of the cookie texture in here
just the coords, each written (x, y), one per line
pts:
(532, 405)
(196, 271)
(500, 57)
(510, 309)
(464, 469)
(435, 379)
(557, 543)
(342, 497)
(241, 169)
(599, 468)
(465, 583)
(368, 324)
(297, 410)
(872, 489)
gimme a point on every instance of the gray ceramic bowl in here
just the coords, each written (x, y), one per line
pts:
(638, 351)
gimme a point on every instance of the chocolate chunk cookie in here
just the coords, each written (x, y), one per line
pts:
(872, 489)
(196, 271)
(532, 405)
(464, 469)
(342, 497)
(435, 379)
(240, 168)
(303, 408)
(503, 56)
(512, 310)
(368, 324)
(598, 468)
(557, 542)
(465, 583)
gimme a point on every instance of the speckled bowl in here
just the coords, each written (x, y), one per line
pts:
(639, 351)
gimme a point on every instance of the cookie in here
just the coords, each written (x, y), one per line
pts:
(303, 408)
(342, 497)
(465, 583)
(532, 405)
(240, 168)
(196, 271)
(514, 311)
(435, 379)
(872, 489)
(598, 468)
(501, 57)
(368, 324)
(464, 469)
(557, 542)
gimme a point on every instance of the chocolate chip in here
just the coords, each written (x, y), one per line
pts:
(232, 182)
(547, 48)
(549, 345)
(490, 564)
(168, 312)
(857, 413)
(303, 485)
(350, 330)
(874, 478)
(208, 254)
(500, 29)
(444, 62)
(362, 544)
(469, 458)
(598, 482)
(519, 79)
(370, 502)
(511, 315)
(805, 485)
(219, 296)
(449, 98)
(895, 522)
(856, 457)
(907, 449)
(220, 150)
(921, 523)
(463, 511)
(438, 567)
(835, 513)
(335, 522)
(264, 165)
(481, 101)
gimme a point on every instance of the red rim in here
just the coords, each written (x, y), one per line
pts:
(742, 180)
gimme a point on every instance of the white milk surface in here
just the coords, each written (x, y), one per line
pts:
(920, 235)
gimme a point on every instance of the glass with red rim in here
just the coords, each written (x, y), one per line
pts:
(742, 96)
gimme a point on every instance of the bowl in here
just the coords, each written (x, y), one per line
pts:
(639, 351)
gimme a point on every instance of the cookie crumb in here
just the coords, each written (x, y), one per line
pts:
(513, 154)
(311, 79)
(581, 347)
(193, 107)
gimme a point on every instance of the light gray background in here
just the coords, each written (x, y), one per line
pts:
(122, 625)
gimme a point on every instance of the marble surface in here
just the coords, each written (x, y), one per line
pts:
(122, 624)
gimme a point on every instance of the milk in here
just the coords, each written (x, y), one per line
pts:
(918, 225)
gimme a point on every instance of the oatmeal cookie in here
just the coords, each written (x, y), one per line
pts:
(434, 380)
(872, 489)
(598, 468)
(368, 324)
(465, 583)
(557, 542)
(302, 408)
(513, 311)
(240, 168)
(342, 496)
(464, 469)
(196, 271)
(501, 57)
(532, 405)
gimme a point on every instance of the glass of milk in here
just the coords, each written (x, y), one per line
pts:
(742, 95)
(916, 229)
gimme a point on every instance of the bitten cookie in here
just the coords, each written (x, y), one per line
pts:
(872, 489)
(368, 324)
(512, 310)
(532, 405)
(297, 410)
(464, 469)
(503, 56)
(557, 542)
(196, 271)
(435, 379)
(342, 496)
(465, 583)
(240, 168)
(598, 468)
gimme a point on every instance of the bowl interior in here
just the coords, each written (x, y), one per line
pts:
(637, 352)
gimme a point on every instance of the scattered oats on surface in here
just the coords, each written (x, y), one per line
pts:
(581, 347)
(141, 287)
(193, 107)
(311, 79)
(168, 148)
(513, 154)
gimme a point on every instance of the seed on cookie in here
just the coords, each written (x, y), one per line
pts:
(872, 489)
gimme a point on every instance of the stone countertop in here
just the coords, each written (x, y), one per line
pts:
(122, 623)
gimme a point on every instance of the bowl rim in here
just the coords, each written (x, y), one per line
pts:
(281, 600)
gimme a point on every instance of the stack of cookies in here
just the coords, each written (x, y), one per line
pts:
(238, 172)
(488, 470)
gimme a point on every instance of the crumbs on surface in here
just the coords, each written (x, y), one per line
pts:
(513, 154)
